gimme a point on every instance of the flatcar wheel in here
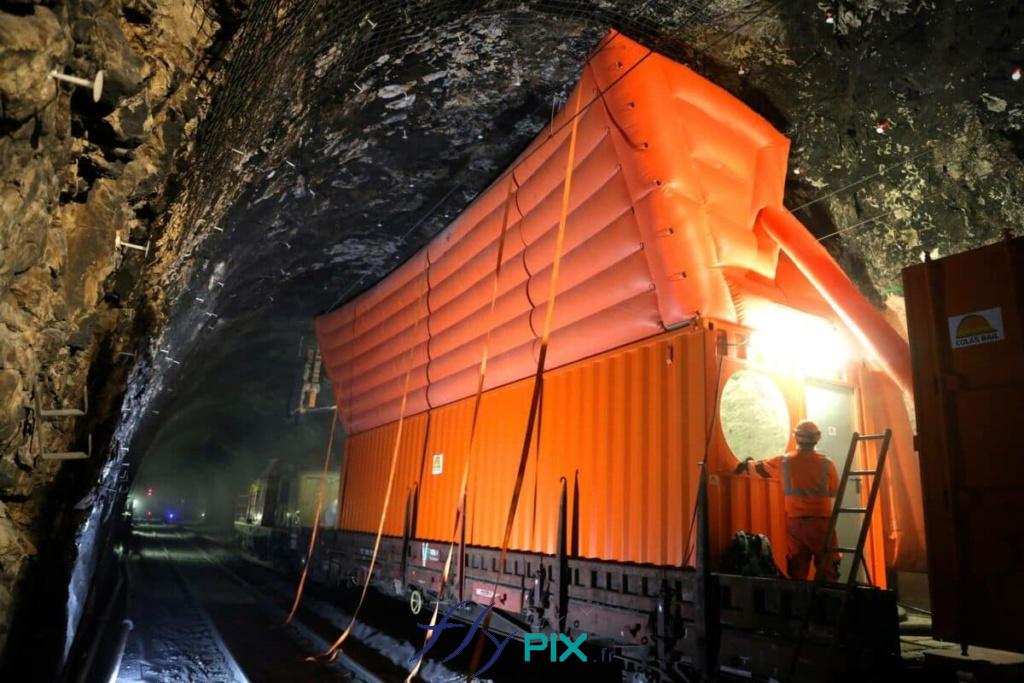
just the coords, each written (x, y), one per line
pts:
(415, 601)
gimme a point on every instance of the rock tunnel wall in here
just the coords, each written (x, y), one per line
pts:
(73, 172)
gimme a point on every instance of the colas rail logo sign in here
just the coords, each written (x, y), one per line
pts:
(558, 647)
(977, 327)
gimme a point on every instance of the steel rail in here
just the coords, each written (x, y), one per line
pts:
(343, 661)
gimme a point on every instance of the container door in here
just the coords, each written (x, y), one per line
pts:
(831, 407)
(965, 315)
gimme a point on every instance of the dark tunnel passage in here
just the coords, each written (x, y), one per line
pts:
(180, 256)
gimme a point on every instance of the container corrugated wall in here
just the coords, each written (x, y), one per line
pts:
(747, 503)
(439, 492)
(497, 453)
(500, 430)
(628, 422)
(366, 476)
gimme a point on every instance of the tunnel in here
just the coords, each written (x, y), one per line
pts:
(458, 338)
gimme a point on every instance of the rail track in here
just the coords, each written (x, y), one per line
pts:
(199, 620)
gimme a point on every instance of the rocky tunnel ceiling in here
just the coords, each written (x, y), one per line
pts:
(282, 156)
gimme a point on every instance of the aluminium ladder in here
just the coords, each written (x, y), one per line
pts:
(857, 552)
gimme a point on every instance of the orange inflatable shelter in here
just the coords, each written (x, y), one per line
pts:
(694, 318)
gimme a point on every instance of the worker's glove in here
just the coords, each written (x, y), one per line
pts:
(745, 467)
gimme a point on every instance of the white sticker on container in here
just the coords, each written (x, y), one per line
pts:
(977, 327)
(437, 463)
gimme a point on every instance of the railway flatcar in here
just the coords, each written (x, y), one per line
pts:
(647, 309)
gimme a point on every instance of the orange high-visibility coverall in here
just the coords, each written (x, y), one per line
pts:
(810, 482)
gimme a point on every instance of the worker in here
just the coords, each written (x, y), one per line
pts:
(809, 482)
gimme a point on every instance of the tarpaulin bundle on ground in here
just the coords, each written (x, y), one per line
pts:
(675, 216)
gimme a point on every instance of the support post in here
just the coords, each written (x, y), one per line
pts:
(408, 529)
(563, 558)
(462, 553)
(706, 595)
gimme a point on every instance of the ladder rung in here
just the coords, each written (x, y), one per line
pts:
(862, 473)
(871, 437)
(853, 509)
(843, 550)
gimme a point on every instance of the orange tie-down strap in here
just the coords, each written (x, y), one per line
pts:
(332, 652)
(460, 512)
(538, 390)
(316, 520)
(545, 338)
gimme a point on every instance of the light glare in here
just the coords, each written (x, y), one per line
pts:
(795, 343)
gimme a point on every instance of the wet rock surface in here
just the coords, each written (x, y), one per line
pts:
(279, 157)
(893, 99)
(73, 173)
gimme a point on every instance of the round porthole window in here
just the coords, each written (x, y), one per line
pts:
(754, 416)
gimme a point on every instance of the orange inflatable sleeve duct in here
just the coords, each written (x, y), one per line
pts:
(676, 213)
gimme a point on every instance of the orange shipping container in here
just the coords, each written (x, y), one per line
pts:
(627, 430)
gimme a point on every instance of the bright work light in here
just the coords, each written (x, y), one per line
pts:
(796, 343)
